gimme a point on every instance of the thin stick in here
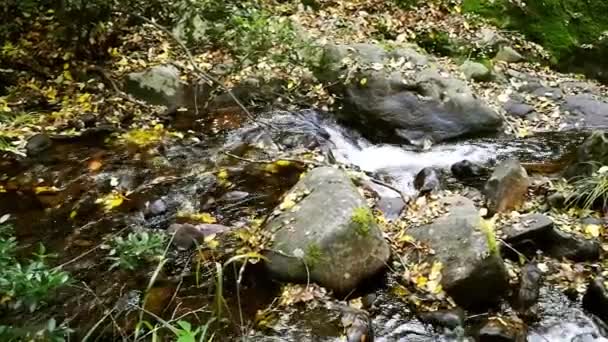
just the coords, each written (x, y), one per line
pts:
(262, 161)
(386, 185)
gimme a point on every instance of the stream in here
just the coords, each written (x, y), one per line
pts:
(181, 174)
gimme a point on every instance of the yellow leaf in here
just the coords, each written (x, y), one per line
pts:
(289, 201)
(283, 163)
(223, 174)
(111, 200)
(363, 81)
(73, 214)
(45, 189)
(2, 189)
(272, 168)
(593, 230)
(421, 281)
(67, 75)
(200, 217)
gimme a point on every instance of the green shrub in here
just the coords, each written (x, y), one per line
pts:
(26, 284)
(137, 250)
(590, 191)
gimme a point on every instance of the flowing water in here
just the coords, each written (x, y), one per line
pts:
(182, 174)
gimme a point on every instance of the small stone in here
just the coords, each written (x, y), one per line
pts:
(390, 207)
(427, 180)
(518, 109)
(476, 71)
(509, 55)
(37, 144)
(234, 196)
(157, 207)
(465, 170)
(556, 200)
(595, 299)
(444, 318)
(502, 330)
(187, 235)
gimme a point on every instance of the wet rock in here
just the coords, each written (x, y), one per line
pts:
(593, 151)
(502, 330)
(509, 55)
(427, 180)
(564, 320)
(476, 71)
(529, 287)
(595, 299)
(560, 244)
(328, 236)
(159, 85)
(444, 318)
(403, 105)
(157, 207)
(187, 235)
(586, 110)
(518, 109)
(473, 273)
(466, 169)
(507, 187)
(357, 326)
(37, 144)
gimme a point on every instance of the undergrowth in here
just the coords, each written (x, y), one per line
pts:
(589, 192)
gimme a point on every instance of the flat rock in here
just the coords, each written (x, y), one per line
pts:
(530, 227)
(159, 85)
(473, 273)
(329, 236)
(507, 187)
(509, 55)
(518, 109)
(476, 71)
(586, 110)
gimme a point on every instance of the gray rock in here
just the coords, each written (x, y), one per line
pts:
(530, 227)
(476, 71)
(37, 144)
(529, 287)
(595, 299)
(157, 207)
(390, 207)
(234, 196)
(328, 237)
(518, 109)
(465, 169)
(412, 103)
(444, 318)
(473, 272)
(507, 187)
(427, 180)
(552, 93)
(509, 55)
(586, 110)
(593, 152)
(556, 200)
(560, 244)
(159, 85)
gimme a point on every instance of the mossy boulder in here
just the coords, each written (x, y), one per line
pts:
(324, 232)
(571, 30)
(473, 271)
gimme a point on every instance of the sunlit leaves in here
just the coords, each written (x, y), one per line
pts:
(111, 200)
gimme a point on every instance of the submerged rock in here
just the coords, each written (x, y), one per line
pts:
(325, 233)
(444, 318)
(473, 271)
(414, 103)
(507, 187)
(596, 298)
(159, 85)
(187, 235)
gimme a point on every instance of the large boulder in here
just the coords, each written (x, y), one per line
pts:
(591, 154)
(159, 85)
(585, 110)
(473, 271)
(507, 187)
(325, 232)
(398, 94)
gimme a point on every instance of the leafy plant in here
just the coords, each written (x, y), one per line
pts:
(137, 249)
(49, 332)
(184, 332)
(590, 191)
(26, 284)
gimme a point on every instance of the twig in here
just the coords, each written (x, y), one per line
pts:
(386, 185)
(263, 161)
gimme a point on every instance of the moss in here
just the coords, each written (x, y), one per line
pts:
(313, 255)
(488, 229)
(560, 26)
(363, 218)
